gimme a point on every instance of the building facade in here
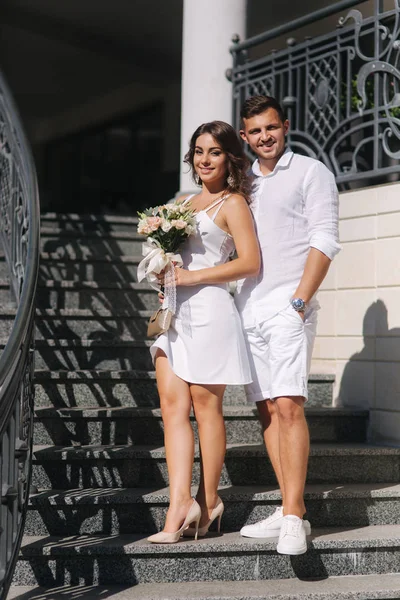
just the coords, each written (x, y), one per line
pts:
(110, 98)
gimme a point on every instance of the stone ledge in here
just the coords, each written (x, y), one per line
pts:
(85, 257)
(89, 343)
(69, 284)
(115, 412)
(131, 466)
(233, 450)
(96, 219)
(358, 587)
(88, 258)
(373, 536)
(90, 375)
(43, 374)
(143, 511)
(106, 496)
(74, 234)
(83, 313)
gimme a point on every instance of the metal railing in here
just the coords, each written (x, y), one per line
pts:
(19, 240)
(341, 91)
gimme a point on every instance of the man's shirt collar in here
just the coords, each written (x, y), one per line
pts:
(281, 164)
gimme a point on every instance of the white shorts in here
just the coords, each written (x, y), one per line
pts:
(280, 352)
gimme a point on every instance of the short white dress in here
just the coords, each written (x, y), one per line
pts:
(205, 343)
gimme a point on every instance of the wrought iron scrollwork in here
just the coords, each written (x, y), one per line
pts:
(341, 92)
(19, 241)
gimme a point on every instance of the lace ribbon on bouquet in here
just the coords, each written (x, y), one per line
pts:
(156, 260)
(170, 288)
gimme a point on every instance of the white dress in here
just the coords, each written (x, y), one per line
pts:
(205, 343)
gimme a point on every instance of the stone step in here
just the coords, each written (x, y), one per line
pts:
(113, 355)
(118, 425)
(245, 464)
(347, 587)
(130, 559)
(84, 267)
(73, 323)
(92, 295)
(87, 222)
(119, 355)
(94, 324)
(79, 266)
(124, 511)
(5, 293)
(103, 388)
(94, 242)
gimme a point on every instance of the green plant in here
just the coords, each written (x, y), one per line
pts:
(369, 90)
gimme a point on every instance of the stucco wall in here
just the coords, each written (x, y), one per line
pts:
(359, 325)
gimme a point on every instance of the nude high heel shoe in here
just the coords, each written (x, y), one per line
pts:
(164, 537)
(215, 514)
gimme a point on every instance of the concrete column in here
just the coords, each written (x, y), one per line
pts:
(208, 27)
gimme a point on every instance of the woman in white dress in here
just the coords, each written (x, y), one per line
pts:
(204, 349)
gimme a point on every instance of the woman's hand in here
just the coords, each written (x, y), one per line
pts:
(185, 277)
(182, 277)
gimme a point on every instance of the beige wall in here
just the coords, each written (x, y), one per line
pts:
(359, 326)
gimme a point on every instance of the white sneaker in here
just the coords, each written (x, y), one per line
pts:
(266, 528)
(292, 538)
(270, 527)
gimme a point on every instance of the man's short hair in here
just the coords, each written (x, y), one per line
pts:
(255, 105)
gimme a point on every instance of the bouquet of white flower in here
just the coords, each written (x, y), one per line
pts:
(166, 228)
(169, 225)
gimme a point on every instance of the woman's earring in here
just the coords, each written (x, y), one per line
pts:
(231, 180)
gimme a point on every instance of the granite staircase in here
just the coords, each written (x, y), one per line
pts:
(99, 467)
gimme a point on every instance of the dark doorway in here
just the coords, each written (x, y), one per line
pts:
(114, 168)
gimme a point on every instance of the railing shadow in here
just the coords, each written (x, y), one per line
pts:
(90, 566)
(100, 511)
(81, 592)
(88, 480)
(109, 329)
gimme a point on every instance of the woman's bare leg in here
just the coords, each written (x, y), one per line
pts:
(175, 402)
(207, 404)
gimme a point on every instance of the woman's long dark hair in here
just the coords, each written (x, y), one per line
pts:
(237, 179)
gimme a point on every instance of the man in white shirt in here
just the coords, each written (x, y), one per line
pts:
(295, 207)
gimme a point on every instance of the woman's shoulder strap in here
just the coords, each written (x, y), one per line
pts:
(219, 202)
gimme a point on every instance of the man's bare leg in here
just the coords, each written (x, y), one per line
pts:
(283, 417)
(269, 418)
(294, 449)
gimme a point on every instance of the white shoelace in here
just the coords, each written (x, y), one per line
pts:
(292, 527)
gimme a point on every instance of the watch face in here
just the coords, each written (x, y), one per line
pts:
(298, 304)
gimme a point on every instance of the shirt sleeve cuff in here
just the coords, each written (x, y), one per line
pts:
(327, 246)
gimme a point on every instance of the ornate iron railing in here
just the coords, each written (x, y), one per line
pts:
(19, 241)
(341, 91)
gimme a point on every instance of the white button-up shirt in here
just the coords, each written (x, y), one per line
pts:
(295, 208)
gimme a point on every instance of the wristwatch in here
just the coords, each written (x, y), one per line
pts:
(298, 304)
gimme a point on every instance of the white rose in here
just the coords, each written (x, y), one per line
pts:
(166, 225)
